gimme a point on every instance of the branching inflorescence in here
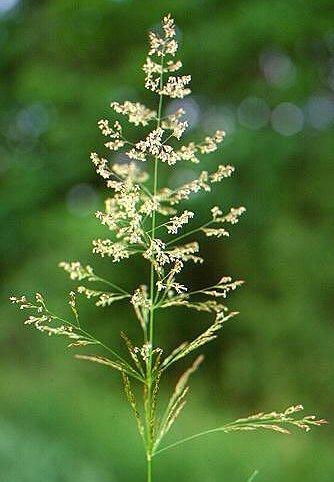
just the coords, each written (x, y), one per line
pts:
(143, 219)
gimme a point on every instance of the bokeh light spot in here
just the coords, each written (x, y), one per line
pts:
(253, 113)
(278, 69)
(33, 120)
(82, 200)
(6, 5)
(222, 117)
(320, 111)
(287, 119)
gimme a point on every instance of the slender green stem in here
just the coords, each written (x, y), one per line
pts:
(240, 424)
(187, 439)
(149, 469)
(113, 285)
(252, 477)
(158, 227)
(149, 378)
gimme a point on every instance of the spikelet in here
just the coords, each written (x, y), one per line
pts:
(155, 392)
(223, 287)
(132, 351)
(102, 361)
(177, 401)
(133, 404)
(209, 306)
(141, 305)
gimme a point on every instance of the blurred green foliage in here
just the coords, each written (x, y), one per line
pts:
(263, 70)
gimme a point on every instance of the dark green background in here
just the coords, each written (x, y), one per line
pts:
(61, 63)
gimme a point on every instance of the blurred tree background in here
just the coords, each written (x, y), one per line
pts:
(263, 70)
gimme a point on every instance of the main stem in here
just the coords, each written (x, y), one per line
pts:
(149, 428)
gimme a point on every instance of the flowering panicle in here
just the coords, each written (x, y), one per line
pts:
(135, 215)
(162, 46)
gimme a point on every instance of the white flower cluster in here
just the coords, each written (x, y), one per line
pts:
(140, 299)
(177, 222)
(114, 133)
(168, 283)
(221, 173)
(167, 44)
(185, 191)
(210, 144)
(122, 211)
(137, 113)
(23, 303)
(156, 253)
(77, 271)
(174, 124)
(176, 87)
(232, 217)
(161, 46)
(101, 164)
(154, 146)
(105, 247)
(217, 232)
(130, 170)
